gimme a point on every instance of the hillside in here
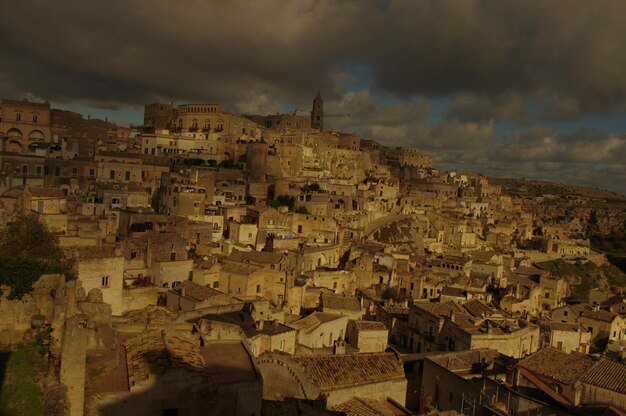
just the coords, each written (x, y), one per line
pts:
(534, 188)
(585, 276)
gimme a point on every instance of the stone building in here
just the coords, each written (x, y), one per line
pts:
(574, 380)
(335, 379)
(260, 335)
(452, 327)
(24, 125)
(367, 336)
(570, 337)
(103, 269)
(190, 296)
(448, 378)
(319, 329)
(167, 374)
(341, 305)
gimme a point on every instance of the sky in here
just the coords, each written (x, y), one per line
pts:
(529, 89)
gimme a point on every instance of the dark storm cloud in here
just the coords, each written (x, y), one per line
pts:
(385, 62)
(135, 51)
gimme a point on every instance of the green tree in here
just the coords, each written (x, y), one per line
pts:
(281, 201)
(28, 238)
(27, 251)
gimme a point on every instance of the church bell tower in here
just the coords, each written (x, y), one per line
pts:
(317, 114)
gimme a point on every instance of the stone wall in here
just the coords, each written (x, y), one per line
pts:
(106, 274)
(16, 314)
(140, 297)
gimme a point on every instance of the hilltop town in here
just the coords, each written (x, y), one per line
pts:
(214, 263)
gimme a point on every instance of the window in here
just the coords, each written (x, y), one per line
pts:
(18, 116)
(172, 256)
(57, 171)
(112, 174)
(216, 284)
(38, 170)
(127, 175)
(249, 235)
(74, 171)
(258, 288)
(133, 255)
(105, 281)
(34, 118)
(92, 172)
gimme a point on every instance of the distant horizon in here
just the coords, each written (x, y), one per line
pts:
(107, 114)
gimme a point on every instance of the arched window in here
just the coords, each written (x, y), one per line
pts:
(36, 135)
(14, 134)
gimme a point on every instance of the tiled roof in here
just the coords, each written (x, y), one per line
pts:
(360, 406)
(482, 256)
(330, 301)
(464, 360)
(95, 252)
(262, 257)
(155, 352)
(607, 374)
(195, 291)
(46, 192)
(558, 366)
(453, 291)
(438, 308)
(370, 325)
(396, 311)
(557, 326)
(333, 371)
(309, 323)
(600, 315)
(477, 308)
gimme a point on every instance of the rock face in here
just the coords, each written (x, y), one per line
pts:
(82, 341)
(16, 314)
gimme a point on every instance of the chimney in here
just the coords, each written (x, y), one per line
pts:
(339, 347)
(259, 325)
